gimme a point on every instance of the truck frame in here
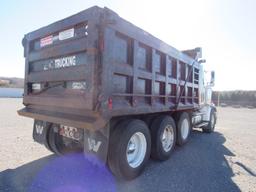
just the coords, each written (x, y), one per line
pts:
(97, 84)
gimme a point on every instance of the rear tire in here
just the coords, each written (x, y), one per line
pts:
(183, 128)
(129, 149)
(211, 125)
(163, 135)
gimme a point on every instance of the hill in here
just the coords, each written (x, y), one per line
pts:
(238, 97)
(12, 82)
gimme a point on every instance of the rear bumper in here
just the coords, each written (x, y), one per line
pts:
(90, 122)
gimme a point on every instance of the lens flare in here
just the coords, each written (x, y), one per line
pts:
(74, 172)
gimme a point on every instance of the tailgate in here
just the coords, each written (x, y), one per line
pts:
(60, 69)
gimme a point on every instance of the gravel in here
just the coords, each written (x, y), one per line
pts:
(222, 161)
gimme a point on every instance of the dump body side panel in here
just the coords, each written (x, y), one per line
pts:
(142, 74)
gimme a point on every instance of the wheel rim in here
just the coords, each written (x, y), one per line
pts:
(136, 149)
(167, 138)
(212, 121)
(184, 129)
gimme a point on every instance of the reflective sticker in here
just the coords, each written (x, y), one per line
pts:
(79, 85)
(66, 34)
(36, 86)
(46, 41)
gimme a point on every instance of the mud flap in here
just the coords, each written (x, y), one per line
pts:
(40, 132)
(96, 143)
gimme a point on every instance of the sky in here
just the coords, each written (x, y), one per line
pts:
(225, 29)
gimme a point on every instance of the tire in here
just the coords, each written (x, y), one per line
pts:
(161, 150)
(46, 142)
(57, 143)
(211, 125)
(183, 128)
(118, 156)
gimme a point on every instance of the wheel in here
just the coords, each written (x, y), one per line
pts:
(163, 135)
(211, 125)
(129, 149)
(61, 145)
(46, 141)
(183, 128)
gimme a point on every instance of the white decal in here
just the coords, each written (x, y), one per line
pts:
(93, 145)
(66, 34)
(49, 66)
(65, 62)
(39, 129)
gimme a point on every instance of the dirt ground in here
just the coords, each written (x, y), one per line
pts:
(222, 161)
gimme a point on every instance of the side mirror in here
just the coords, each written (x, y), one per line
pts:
(212, 78)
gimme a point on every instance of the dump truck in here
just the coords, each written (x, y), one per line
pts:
(98, 85)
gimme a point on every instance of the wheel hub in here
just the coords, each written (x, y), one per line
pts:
(184, 129)
(136, 149)
(167, 138)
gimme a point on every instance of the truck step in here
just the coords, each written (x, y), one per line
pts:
(201, 124)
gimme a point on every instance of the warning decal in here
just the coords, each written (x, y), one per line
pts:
(46, 41)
